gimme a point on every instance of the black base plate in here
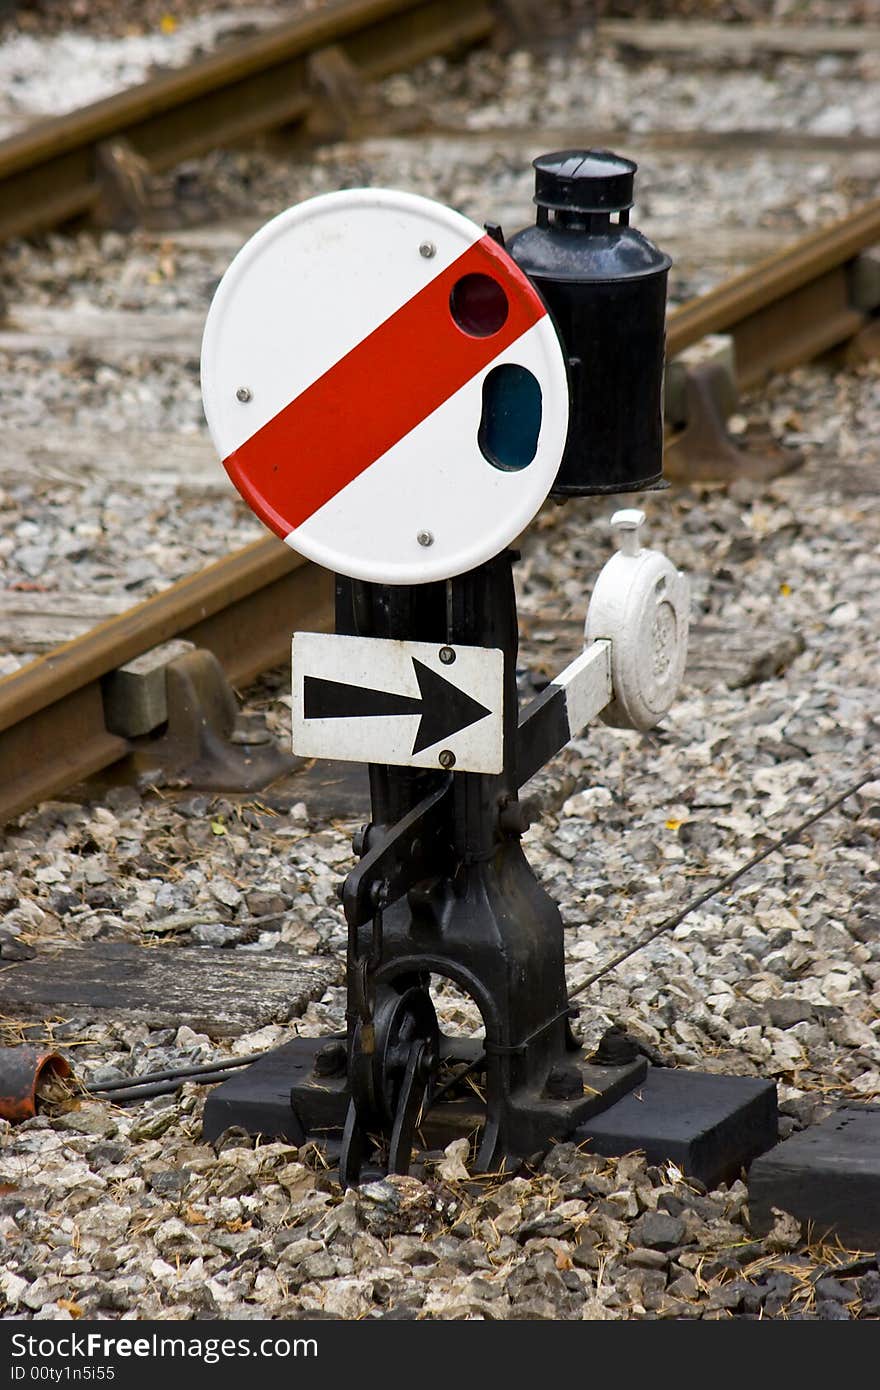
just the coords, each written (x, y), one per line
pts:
(709, 1126)
(257, 1098)
(280, 1096)
(828, 1176)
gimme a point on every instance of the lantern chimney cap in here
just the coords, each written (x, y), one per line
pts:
(584, 181)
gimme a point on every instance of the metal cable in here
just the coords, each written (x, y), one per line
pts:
(140, 1087)
(670, 922)
(127, 1083)
(159, 1088)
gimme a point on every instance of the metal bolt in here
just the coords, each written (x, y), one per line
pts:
(331, 1059)
(359, 840)
(447, 656)
(243, 394)
(564, 1082)
(446, 758)
(425, 538)
(427, 249)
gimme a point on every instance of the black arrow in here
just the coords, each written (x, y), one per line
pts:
(445, 709)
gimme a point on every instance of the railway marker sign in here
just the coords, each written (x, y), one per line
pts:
(384, 386)
(410, 704)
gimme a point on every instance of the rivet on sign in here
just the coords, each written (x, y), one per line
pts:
(446, 757)
(425, 538)
(243, 394)
(427, 249)
(447, 656)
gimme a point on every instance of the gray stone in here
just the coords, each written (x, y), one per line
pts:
(90, 1119)
(786, 1012)
(533, 1309)
(644, 1258)
(261, 904)
(829, 1310)
(171, 1182)
(657, 1230)
(834, 1288)
(584, 1253)
(33, 559)
(866, 929)
(216, 933)
(320, 1265)
(11, 948)
(685, 1286)
(728, 1295)
(869, 1287)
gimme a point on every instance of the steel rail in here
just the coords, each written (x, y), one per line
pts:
(243, 608)
(50, 172)
(788, 308)
(52, 724)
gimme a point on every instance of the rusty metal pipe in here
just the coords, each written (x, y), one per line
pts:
(21, 1071)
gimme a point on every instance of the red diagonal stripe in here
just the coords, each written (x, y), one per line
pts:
(376, 394)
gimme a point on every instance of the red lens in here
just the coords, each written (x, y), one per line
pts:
(478, 305)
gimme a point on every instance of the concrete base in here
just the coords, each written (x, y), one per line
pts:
(710, 1126)
(828, 1176)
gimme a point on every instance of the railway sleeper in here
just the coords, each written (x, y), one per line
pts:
(130, 194)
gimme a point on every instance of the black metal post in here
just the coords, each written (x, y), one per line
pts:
(474, 911)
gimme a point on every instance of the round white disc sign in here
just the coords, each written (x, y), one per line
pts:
(384, 386)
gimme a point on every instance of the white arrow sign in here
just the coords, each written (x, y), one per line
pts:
(409, 704)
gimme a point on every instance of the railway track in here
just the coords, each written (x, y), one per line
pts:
(57, 170)
(70, 166)
(53, 722)
(664, 827)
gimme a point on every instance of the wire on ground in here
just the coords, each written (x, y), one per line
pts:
(165, 1082)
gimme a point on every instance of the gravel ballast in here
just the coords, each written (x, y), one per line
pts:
(121, 1211)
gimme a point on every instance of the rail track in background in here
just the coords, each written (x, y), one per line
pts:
(53, 171)
(804, 301)
(795, 305)
(58, 168)
(811, 298)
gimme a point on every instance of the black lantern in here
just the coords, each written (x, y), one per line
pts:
(605, 286)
